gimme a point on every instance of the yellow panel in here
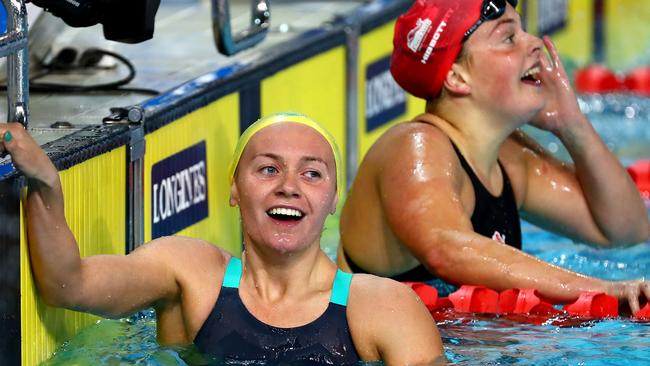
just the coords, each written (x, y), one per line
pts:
(627, 33)
(95, 206)
(218, 125)
(626, 38)
(576, 40)
(315, 87)
(373, 46)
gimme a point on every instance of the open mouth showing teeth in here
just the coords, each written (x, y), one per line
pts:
(530, 76)
(285, 214)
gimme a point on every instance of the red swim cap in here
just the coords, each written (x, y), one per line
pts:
(427, 41)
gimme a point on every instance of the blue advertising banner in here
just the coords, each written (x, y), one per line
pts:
(385, 100)
(179, 191)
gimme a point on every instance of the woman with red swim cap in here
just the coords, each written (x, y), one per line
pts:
(438, 198)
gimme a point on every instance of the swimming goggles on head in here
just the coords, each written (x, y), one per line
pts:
(490, 10)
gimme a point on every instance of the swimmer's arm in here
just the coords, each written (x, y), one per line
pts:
(600, 203)
(105, 285)
(479, 260)
(595, 201)
(389, 323)
(425, 211)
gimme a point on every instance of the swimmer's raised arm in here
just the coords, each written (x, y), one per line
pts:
(392, 323)
(555, 197)
(595, 201)
(106, 285)
(426, 206)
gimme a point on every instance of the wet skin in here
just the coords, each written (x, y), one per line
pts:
(411, 201)
(286, 281)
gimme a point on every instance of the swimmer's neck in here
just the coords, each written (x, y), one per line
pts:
(292, 275)
(477, 133)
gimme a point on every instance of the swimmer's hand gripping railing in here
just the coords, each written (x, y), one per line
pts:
(13, 45)
(228, 44)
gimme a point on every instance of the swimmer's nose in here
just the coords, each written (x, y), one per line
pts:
(288, 186)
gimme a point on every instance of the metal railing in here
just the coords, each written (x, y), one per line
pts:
(13, 45)
(229, 44)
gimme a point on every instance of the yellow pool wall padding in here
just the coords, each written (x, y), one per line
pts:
(373, 46)
(218, 125)
(627, 33)
(95, 205)
(314, 87)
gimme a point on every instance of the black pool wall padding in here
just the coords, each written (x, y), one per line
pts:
(85, 144)
(10, 271)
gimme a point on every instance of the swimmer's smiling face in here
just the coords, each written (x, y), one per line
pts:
(285, 186)
(502, 63)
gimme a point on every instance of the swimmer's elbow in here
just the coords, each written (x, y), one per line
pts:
(639, 236)
(645, 231)
(442, 256)
(60, 294)
(634, 234)
(57, 298)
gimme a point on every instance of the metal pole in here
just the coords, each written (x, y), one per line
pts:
(599, 31)
(14, 46)
(352, 32)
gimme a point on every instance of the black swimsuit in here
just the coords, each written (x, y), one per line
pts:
(231, 334)
(493, 217)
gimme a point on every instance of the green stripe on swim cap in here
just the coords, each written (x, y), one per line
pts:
(277, 118)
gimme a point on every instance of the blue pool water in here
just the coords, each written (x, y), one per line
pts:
(467, 341)
(623, 122)
(607, 342)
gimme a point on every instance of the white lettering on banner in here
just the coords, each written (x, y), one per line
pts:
(179, 192)
(436, 37)
(382, 93)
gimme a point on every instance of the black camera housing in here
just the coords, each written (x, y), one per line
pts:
(126, 21)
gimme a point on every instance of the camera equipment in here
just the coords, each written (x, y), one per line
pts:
(127, 21)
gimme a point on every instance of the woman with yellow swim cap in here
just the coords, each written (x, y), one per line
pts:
(284, 301)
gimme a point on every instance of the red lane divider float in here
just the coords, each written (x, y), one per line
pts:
(638, 80)
(644, 313)
(640, 173)
(483, 300)
(597, 78)
(524, 301)
(594, 305)
(475, 299)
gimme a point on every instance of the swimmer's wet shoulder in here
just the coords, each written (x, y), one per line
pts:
(388, 322)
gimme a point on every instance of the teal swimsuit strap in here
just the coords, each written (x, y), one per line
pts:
(232, 276)
(341, 288)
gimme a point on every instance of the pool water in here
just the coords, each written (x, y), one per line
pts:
(500, 341)
(622, 121)
(467, 341)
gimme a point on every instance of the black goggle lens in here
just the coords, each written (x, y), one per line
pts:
(491, 9)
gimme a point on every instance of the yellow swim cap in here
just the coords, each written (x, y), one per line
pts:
(273, 119)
